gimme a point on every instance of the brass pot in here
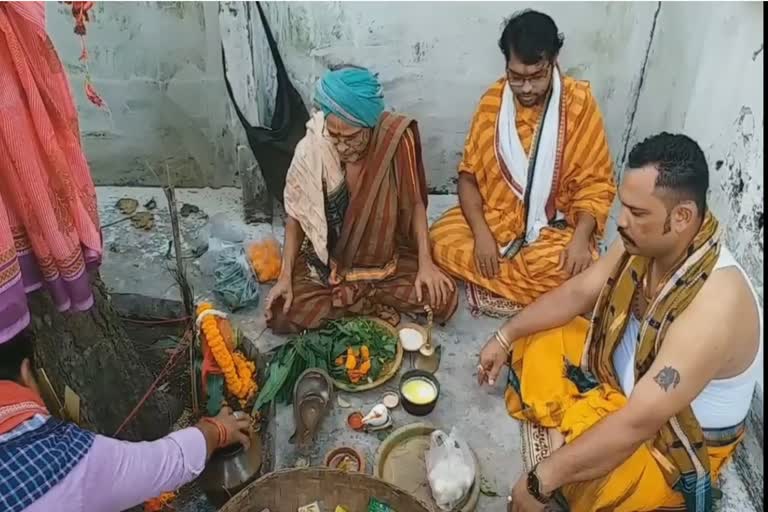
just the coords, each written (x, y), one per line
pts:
(231, 469)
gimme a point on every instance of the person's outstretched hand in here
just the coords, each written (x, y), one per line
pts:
(283, 288)
(237, 425)
(493, 357)
(226, 429)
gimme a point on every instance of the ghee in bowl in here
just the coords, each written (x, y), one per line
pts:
(419, 391)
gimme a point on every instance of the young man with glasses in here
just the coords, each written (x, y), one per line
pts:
(535, 181)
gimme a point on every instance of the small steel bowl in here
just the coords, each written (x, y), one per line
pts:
(416, 327)
(418, 409)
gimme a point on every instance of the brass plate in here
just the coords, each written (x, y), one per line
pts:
(400, 461)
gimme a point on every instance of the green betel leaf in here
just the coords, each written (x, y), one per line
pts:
(215, 392)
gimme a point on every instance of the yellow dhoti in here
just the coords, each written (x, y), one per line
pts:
(540, 391)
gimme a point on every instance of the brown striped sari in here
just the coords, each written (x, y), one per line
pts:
(376, 253)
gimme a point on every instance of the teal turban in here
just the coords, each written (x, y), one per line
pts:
(352, 94)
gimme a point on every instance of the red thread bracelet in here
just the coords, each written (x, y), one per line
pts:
(223, 434)
(220, 430)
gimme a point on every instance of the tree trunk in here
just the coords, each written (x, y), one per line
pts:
(92, 354)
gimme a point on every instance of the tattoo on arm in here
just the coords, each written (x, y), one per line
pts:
(667, 378)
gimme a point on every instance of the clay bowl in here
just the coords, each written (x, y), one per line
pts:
(355, 421)
(230, 470)
(420, 409)
(335, 457)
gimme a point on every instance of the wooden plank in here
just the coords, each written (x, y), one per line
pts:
(72, 405)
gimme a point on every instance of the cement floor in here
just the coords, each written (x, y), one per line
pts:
(135, 263)
(136, 266)
(478, 414)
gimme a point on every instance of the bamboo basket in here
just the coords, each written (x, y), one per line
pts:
(287, 490)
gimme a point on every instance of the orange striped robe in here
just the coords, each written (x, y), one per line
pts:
(585, 184)
(376, 254)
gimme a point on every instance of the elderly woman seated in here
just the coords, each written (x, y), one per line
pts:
(356, 235)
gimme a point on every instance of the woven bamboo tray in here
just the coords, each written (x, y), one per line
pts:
(287, 490)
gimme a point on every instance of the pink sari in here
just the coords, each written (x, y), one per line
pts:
(49, 226)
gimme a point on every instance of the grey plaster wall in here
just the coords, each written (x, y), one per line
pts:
(694, 67)
(704, 78)
(158, 66)
(436, 59)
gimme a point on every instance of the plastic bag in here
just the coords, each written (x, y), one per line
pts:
(222, 228)
(375, 505)
(450, 468)
(223, 236)
(236, 284)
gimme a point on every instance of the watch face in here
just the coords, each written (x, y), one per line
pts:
(533, 485)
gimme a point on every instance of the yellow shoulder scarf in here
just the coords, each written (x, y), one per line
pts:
(681, 441)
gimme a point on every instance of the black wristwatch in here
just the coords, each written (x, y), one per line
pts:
(534, 487)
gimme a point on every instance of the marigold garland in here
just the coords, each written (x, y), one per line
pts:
(238, 371)
(159, 503)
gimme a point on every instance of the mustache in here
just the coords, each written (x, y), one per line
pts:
(626, 237)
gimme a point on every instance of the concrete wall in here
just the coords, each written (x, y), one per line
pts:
(158, 66)
(704, 78)
(436, 59)
(690, 67)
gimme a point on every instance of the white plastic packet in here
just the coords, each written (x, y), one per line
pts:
(450, 468)
(223, 237)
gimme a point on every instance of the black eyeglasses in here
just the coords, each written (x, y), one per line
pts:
(537, 78)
